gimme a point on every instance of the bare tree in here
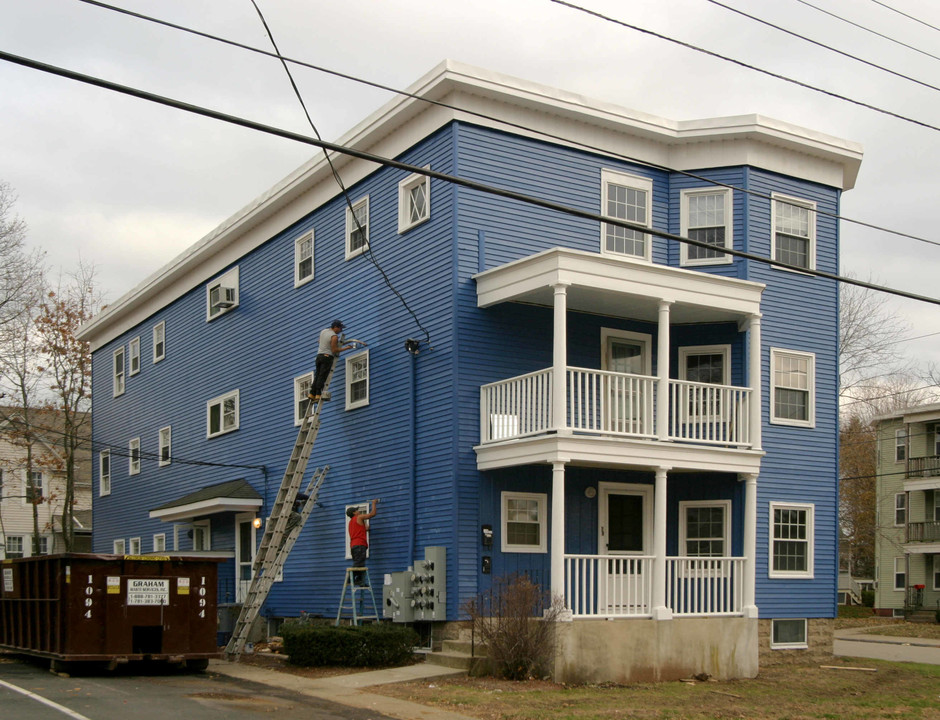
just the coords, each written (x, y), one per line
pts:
(857, 496)
(19, 269)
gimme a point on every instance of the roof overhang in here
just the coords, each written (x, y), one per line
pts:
(232, 496)
(922, 548)
(922, 483)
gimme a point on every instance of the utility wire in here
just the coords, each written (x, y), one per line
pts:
(910, 17)
(824, 46)
(855, 401)
(473, 113)
(743, 64)
(869, 30)
(339, 180)
(434, 174)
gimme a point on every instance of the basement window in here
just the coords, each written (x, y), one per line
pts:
(789, 634)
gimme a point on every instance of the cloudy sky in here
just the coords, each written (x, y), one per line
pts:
(128, 185)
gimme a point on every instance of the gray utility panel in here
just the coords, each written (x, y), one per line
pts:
(419, 594)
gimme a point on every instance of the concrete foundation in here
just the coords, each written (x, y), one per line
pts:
(621, 651)
(819, 632)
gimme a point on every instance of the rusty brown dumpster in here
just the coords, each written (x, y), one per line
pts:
(110, 608)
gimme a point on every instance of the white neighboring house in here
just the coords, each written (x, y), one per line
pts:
(46, 480)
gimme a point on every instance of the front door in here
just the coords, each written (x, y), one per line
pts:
(629, 405)
(625, 539)
(244, 555)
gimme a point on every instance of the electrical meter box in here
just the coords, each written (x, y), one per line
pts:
(429, 585)
(397, 597)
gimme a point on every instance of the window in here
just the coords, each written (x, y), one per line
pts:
(704, 529)
(936, 440)
(43, 544)
(936, 572)
(414, 201)
(201, 536)
(119, 371)
(34, 488)
(900, 573)
(303, 259)
(793, 388)
(164, 445)
(14, 546)
(788, 634)
(222, 414)
(159, 542)
(133, 352)
(900, 509)
(222, 294)
(302, 386)
(705, 216)
(357, 228)
(524, 522)
(900, 445)
(159, 341)
(1, 484)
(357, 380)
(104, 472)
(133, 456)
(134, 546)
(705, 364)
(791, 546)
(794, 238)
(626, 197)
(936, 505)
(120, 547)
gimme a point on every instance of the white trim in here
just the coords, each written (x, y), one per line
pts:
(203, 529)
(219, 402)
(894, 574)
(118, 372)
(168, 445)
(159, 542)
(133, 353)
(725, 505)
(728, 225)
(405, 187)
(631, 182)
(119, 546)
(811, 227)
(902, 507)
(936, 572)
(159, 346)
(645, 340)
(212, 506)
(222, 295)
(798, 645)
(900, 444)
(541, 500)
(133, 546)
(298, 258)
(104, 479)
(810, 509)
(810, 420)
(132, 467)
(350, 380)
(351, 227)
(301, 385)
(724, 350)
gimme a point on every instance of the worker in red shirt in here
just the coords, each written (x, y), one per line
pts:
(359, 539)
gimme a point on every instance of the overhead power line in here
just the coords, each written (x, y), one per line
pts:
(474, 113)
(434, 174)
(909, 17)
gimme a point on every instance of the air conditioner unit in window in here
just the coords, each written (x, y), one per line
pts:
(222, 297)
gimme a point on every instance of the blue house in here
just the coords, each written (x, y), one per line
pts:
(644, 427)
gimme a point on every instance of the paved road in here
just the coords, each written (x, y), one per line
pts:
(883, 647)
(28, 691)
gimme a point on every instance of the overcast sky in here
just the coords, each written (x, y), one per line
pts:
(128, 185)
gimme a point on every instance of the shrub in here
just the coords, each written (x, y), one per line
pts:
(868, 598)
(376, 645)
(516, 622)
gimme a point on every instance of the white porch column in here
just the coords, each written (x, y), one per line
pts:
(754, 378)
(662, 372)
(560, 359)
(558, 529)
(750, 544)
(659, 609)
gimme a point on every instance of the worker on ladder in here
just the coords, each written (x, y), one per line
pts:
(327, 351)
(359, 539)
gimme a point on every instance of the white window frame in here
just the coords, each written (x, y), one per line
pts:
(900, 509)
(811, 229)
(226, 280)
(362, 202)
(133, 546)
(119, 371)
(780, 353)
(902, 561)
(542, 522)
(634, 182)
(936, 572)
(43, 544)
(133, 356)
(900, 445)
(351, 380)
(405, 197)
(202, 535)
(302, 386)
(28, 483)
(725, 505)
(687, 351)
(159, 542)
(133, 456)
(300, 257)
(165, 433)
(8, 539)
(798, 645)
(219, 402)
(810, 509)
(104, 473)
(119, 547)
(159, 341)
(684, 220)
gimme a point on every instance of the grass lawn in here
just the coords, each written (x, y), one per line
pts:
(894, 690)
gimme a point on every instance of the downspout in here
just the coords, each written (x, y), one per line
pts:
(412, 490)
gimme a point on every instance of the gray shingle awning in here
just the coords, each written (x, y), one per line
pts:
(230, 496)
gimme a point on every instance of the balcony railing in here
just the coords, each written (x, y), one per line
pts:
(923, 531)
(611, 586)
(615, 404)
(928, 466)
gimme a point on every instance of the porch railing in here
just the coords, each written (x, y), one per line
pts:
(706, 413)
(704, 586)
(516, 407)
(928, 466)
(923, 531)
(611, 403)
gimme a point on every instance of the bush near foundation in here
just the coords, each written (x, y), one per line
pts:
(376, 645)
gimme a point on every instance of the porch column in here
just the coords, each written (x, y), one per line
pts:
(560, 359)
(754, 378)
(662, 372)
(749, 601)
(558, 530)
(659, 609)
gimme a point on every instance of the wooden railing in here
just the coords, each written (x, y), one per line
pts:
(704, 586)
(928, 466)
(611, 403)
(923, 531)
(706, 413)
(516, 407)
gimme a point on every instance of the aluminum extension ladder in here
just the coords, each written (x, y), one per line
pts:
(348, 584)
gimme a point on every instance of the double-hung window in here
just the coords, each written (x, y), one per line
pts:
(794, 231)
(708, 365)
(133, 353)
(34, 487)
(119, 371)
(792, 391)
(791, 541)
(159, 542)
(524, 522)
(414, 201)
(900, 573)
(222, 294)
(133, 456)
(134, 546)
(222, 414)
(900, 445)
(357, 380)
(900, 509)
(357, 228)
(630, 198)
(302, 386)
(704, 528)
(705, 216)
(159, 341)
(104, 472)
(303, 259)
(120, 546)
(14, 546)
(163, 443)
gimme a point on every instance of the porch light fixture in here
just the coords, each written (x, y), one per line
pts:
(590, 491)
(256, 523)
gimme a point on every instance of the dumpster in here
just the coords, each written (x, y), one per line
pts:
(114, 609)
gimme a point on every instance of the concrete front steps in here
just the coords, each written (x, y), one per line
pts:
(922, 616)
(459, 652)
